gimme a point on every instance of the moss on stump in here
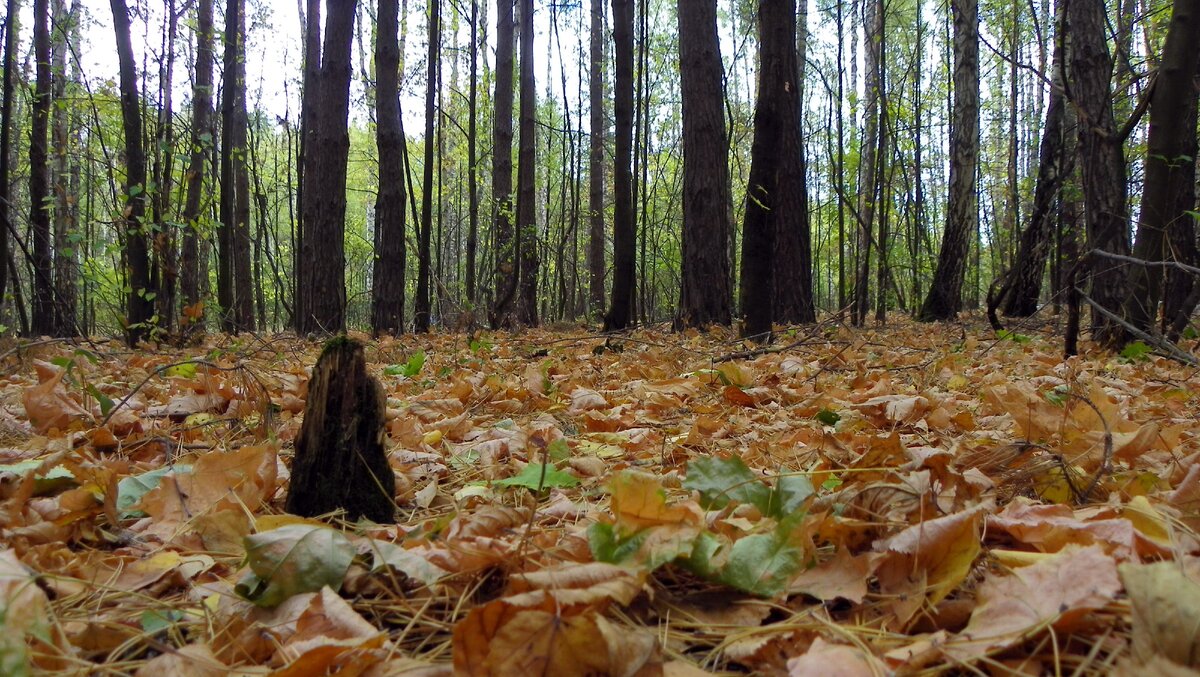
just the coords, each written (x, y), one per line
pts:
(340, 462)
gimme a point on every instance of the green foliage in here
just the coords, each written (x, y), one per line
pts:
(291, 560)
(410, 368)
(828, 417)
(1136, 351)
(1006, 335)
(721, 480)
(537, 477)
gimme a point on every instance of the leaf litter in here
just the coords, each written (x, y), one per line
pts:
(914, 500)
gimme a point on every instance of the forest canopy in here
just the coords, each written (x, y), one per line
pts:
(392, 166)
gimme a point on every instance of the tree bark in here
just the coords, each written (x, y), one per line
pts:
(202, 139)
(705, 296)
(472, 165)
(527, 308)
(236, 294)
(620, 308)
(422, 304)
(1023, 285)
(387, 300)
(962, 218)
(323, 267)
(599, 127)
(66, 163)
(1170, 162)
(340, 460)
(40, 201)
(139, 310)
(502, 312)
(1102, 160)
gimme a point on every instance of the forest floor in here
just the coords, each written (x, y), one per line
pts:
(904, 500)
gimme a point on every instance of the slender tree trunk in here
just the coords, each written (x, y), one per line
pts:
(237, 297)
(472, 162)
(422, 304)
(620, 309)
(65, 210)
(310, 18)
(165, 271)
(1170, 161)
(870, 158)
(598, 127)
(322, 270)
(139, 310)
(6, 115)
(1178, 300)
(191, 271)
(705, 296)
(40, 201)
(527, 309)
(962, 217)
(1023, 285)
(502, 314)
(1102, 159)
(387, 308)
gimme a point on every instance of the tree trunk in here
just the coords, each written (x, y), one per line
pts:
(1177, 303)
(422, 304)
(6, 115)
(620, 309)
(1102, 159)
(340, 461)
(387, 300)
(705, 296)
(165, 270)
(792, 292)
(304, 247)
(40, 201)
(191, 270)
(527, 309)
(472, 164)
(962, 217)
(1170, 162)
(598, 126)
(66, 163)
(235, 285)
(139, 310)
(1023, 285)
(322, 270)
(870, 158)
(502, 313)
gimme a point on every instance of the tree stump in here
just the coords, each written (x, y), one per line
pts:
(340, 460)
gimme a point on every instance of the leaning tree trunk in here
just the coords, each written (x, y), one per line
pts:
(1102, 161)
(705, 296)
(1022, 286)
(340, 461)
(387, 296)
(139, 309)
(620, 307)
(962, 218)
(1170, 162)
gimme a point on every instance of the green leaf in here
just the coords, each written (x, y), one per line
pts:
(384, 554)
(559, 450)
(1013, 336)
(828, 417)
(720, 480)
(607, 545)
(789, 495)
(155, 621)
(130, 490)
(185, 370)
(410, 368)
(1136, 351)
(106, 402)
(292, 560)
(537, 477)
(763, 564)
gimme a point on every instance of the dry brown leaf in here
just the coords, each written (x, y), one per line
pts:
(844, 576)
(1166, 612)
(1058, 591)
(193, 660)
(47, 404)
(834, 660)
(925, 562)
